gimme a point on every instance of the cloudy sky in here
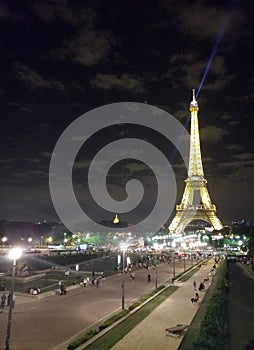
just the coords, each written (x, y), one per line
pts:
(61, 59)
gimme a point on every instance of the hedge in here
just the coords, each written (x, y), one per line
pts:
(214, 331)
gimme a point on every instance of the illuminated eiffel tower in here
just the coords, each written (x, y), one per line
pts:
(195, 189)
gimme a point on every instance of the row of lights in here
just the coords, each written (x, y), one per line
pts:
(5, 239)
(15, 253)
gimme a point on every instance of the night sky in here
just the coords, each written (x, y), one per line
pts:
(60, 59)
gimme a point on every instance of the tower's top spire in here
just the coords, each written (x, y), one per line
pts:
(193, 95)
(193, 103)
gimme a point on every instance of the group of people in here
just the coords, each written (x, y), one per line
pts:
(85, 281)
(201, 285)
(5, 300)
(34, 291)
(201, 288)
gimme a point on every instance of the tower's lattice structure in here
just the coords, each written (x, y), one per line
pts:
(196, 203)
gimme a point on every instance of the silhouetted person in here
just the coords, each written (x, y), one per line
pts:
(195, 298)
(3, 300)
(201, 286)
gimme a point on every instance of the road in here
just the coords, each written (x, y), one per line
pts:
(48, 322)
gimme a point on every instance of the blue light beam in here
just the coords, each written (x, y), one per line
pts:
(213, 53)
(215, 48)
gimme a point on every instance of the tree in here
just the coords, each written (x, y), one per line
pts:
(251, 242)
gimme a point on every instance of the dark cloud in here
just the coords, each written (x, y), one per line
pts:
(63, 58)
(48, 11)
(33, 79)
(123, 81)
(212, 134)
(87, 47)
(234, 147)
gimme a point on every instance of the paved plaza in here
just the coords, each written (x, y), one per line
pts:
(50, 321)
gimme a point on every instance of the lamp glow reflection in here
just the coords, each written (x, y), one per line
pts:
(14, 254)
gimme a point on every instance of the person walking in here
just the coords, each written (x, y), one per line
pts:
(62, 287)
(93, 277)
(8, 299)
(3, 300)
(85, 281)
(97, 282)
(201, 286)
(194, 285)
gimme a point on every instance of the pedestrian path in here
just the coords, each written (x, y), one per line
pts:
(177, 309)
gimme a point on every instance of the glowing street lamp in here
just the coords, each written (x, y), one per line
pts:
(4, 239)
(123, 247)
(14, 254)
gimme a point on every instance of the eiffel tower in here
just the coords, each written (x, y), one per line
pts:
(195, 189)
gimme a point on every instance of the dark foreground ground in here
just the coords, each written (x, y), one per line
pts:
(241, 306)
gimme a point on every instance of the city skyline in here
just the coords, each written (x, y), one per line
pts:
(61, 59)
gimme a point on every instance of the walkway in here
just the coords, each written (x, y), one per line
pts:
(150, 333)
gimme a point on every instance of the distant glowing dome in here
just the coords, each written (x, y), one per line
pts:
(116, 220)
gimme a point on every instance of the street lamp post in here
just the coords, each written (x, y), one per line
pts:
(191, 251)
(156, 272)
(183, 248)
(14, 254)
(123, 247)
(123, 281)
(49, 240)
(174, 266)
(65, 239)
(156, 277)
